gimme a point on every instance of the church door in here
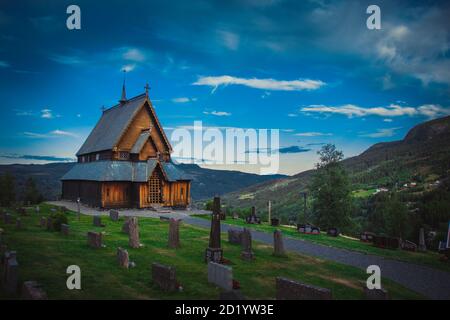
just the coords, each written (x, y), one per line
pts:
(155, 188)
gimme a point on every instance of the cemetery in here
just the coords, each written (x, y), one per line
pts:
(152, 258)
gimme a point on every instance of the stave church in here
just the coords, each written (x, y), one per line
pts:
(125, 161)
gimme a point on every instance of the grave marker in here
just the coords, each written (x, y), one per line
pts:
(422, 246)
(247, 253)
(220, 275)
(94, 239)
(278, 245)
(114, 215)
(122, 258)
(174, 233)
(133, 234)
(10, 272)
(287, 289)
(126, 225)
(234, 236)
(97, 221)
(214, 251)
(164, 277)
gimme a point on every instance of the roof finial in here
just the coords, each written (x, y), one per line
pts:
(123, 99)
(147, 87)
(103, 108)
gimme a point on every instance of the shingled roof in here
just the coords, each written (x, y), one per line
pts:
(113, 123)
(116, 170)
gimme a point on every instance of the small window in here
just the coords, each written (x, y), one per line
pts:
(123, 155)
(97, 157)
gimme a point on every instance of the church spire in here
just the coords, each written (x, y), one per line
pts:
(123, 98)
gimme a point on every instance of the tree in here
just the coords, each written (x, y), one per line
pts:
(330, 188)
(32, 195)
(7, 190)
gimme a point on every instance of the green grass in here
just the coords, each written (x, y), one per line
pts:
(44, 256)
(428, 258)
(363, 193)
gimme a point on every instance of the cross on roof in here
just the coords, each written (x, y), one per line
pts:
(147, 87)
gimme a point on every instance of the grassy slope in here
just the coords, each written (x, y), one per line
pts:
(429, 258)
(44, 256)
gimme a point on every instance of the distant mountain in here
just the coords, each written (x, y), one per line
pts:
(424, 154)
(205, 184)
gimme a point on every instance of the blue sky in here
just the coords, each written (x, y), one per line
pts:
(309, 68)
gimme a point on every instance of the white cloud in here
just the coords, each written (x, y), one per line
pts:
(218, 113)
(46, 114)
(229, 39)
(134, 54)
(313, 134)
(128, 67)
(292, 115)
(183, 100)
(52, 134)
(393, 110)
(381, 133)
(264, 84)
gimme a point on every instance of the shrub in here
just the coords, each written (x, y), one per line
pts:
(58, 218)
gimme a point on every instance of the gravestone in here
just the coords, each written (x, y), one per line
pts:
(214, 251)
(122, 258)
(164, 277)
(234, 294)
(10, 273)
(49, 224)
(278, 245)
(408, 245)
(31, 290)
(94, 239)
(22, 211)
(174, 233)
(7, 218)
(386, 242)
(247, 253)
(18, 224)
(220, 275)
(126, 225)
(114, 215)
(308, 229)
(235, 215)
(37, 209)
(133, 234)
(252, 218)
(366, 236)
(65, 228)
(234, 236)
(275, 222)
(422, 245)
(333, 232)
(43, 222)
(375, 294)
(287, 289)
(97, 221)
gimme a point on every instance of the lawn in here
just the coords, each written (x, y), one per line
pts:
(44, 256)
(428, 258)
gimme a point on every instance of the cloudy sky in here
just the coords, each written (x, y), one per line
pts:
(311, 69)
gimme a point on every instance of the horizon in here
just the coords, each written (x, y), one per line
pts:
(284, 65)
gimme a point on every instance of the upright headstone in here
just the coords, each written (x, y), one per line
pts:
(94, 239)
(287, 289)
(278, 245)
(247, 252)
(164, 277)
(18, 224)
(133, 235)
(253, 218)
(126, 225)
(220, 275)
(65, 228)
(235, 215)
(114, 215)
(10, 273)
(37, 209)
(269, 211)
(422, 246)
(375, 294)
(333, 232)
(49, 224)
(274, 222)
(97, 221)
(174, 233)
(31, 290)
(122, 258)
(234, 236)
(214, 251)
(43, 222)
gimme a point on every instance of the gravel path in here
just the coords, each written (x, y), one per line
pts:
(432, 283)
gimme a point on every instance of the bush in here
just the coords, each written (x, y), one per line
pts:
(58, 218)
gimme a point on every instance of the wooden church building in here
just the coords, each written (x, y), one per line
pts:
(125, 161)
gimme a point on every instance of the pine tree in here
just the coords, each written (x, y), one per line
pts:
(330, 188)
(32, 195)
